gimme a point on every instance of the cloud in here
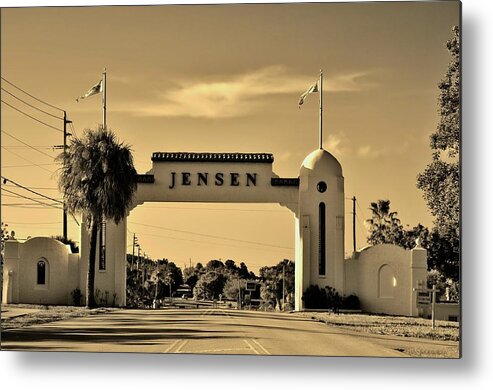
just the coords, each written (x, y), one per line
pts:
(239, 95)
(368, 151)
(340, 146)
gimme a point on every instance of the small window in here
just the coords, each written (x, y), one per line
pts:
(453, 318)
(102, 246)
(41, 272)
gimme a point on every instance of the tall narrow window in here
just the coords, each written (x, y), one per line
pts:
(102, 245)
(321, 238)
(41, 272)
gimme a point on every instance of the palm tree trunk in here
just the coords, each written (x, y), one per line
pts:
(90, 300)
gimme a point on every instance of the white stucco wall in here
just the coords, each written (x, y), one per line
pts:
(383, 277)
(112, 279)
(20, 272)
(262, 192)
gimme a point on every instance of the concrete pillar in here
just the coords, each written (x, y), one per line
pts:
(321, 224)
(120, 261)
(419, 272)
(11, 271)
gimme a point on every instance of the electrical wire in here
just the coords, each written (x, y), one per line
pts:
(31, 199)
(207, 242)
(32, 223)
(26, 144)
(29, 161)
(25, 206)
(16, 196)
(30, 105)
(28, 189)
(30, 116)
(33, 188)
(211, 236)
(28, 94)
(25, 165)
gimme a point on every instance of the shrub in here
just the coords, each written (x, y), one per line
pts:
(77, 297)
(351, 302)
(328, 298)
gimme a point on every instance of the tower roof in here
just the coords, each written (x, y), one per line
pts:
(321, 161)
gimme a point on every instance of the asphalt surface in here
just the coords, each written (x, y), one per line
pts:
(198, 331)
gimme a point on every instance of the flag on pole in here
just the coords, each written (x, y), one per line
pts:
(312, 89)
(98, 88)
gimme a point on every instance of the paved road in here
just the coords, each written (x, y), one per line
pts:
(212, 331)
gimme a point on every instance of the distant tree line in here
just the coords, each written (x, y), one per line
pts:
(149, 280)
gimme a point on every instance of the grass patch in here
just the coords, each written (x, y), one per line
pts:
(46, 313)
(390, 325)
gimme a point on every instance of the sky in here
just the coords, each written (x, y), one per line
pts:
(227, 78)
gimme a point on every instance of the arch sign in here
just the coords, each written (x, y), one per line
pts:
(316, 199)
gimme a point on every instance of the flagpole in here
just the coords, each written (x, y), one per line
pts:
(104, 98)
(320, 101)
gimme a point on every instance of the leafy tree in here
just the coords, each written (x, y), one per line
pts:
(231, 266)
(210, 285)
(244, 273)
(5, 236)
(68, 241)
(190, 276)
(440, 179)
(214, 265)
(384, 226)
(271, 291)
(231, 288)
(97, 179)
(443, 254)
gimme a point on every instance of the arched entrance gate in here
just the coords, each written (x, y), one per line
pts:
(316, 198)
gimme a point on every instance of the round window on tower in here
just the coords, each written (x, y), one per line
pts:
(321, 186)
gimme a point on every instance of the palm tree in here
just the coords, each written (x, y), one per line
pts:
(384, 226)
(97, 179)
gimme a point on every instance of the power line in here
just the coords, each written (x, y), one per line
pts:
(28, 189)
(72, 128)
(28, 94)
(26, 206)
(29, 161)
(35, 188)
(360, 209)
(30, 116)
(207, 242)
(26, 144)
(211, 236)
(32, 223)
(16, 196)
(25, 165)
(46, 147)
(31, 199)
(30, 105)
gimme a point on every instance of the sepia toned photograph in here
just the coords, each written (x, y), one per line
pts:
(232, 179)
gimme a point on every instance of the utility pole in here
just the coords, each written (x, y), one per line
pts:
(65, 134)
(133, 251)
(239, 293)
(283, 288)
(354, 224)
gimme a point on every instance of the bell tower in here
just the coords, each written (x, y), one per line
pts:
(319, 225)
